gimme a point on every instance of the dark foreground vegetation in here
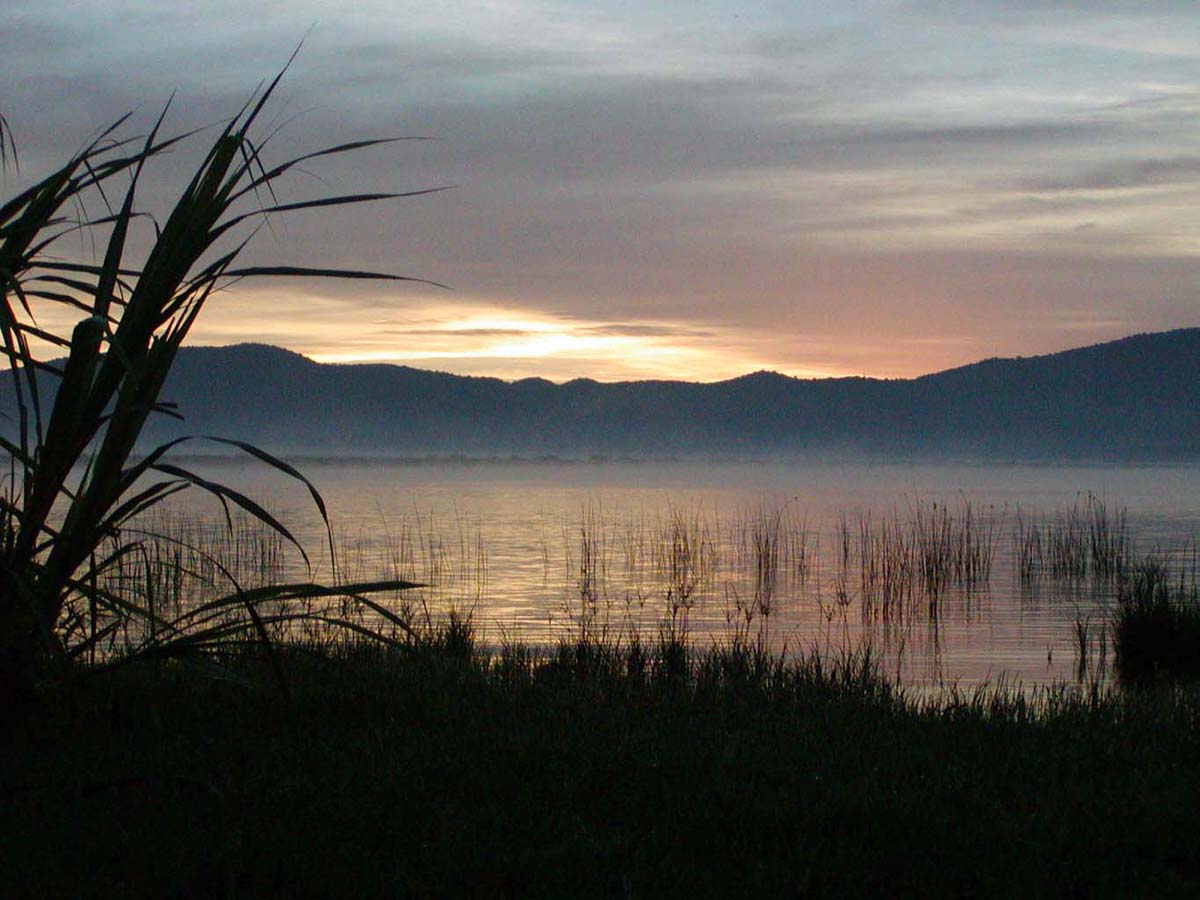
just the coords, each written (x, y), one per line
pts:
(1156, 627)
(599, 771)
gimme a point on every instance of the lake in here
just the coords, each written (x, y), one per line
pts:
(951, 573)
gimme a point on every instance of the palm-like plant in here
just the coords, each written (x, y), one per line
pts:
(76, 483)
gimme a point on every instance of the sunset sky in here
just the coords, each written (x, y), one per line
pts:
(674, 190)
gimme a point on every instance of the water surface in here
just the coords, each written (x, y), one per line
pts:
(541, 550)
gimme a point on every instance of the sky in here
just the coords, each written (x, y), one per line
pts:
(671, 190)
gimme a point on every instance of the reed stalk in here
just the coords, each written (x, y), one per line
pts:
(67, 515)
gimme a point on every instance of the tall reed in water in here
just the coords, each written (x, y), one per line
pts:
(1084, 540)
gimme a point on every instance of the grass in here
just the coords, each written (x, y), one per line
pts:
(1085, 540)
(81, 392)
(598, 770)
(1156, 627)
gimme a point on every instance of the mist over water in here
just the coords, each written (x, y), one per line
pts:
(538, 551)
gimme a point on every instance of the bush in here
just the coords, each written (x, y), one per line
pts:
(1157, 627)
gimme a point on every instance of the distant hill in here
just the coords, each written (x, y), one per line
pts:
(1133, 399)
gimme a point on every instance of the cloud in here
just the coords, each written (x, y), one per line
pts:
(1124, 174)
(912, 183)
(626, 329)
(456, 332)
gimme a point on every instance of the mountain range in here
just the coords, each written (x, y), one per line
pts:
(1135, 399)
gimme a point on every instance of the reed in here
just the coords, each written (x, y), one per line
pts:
(687, 576)
(685, 561)
(443, 558)
(907, 561)
(767, 542)
(1090, 642)
(67, 513)
(770, 563)
(655, 572)
(588, 608)
(842, 546)
(1084, 541)
(1109, 545)
(1156, 626)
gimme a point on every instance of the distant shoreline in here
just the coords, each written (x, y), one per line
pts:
(1130, 402)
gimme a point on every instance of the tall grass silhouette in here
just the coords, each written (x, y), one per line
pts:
(76, 487)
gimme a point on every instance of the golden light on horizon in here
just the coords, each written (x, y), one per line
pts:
(490, 339)
(521, 345)
(511, 343)
(500, 338)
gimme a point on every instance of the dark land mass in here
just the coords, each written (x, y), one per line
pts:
(433, 772)
(1135, 399)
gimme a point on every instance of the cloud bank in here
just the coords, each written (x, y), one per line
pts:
(687, 190)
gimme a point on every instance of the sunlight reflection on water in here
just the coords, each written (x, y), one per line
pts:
(542, 550)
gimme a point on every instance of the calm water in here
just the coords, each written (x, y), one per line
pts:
(542, 550)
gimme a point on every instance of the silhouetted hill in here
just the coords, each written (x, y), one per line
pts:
(1132, 399)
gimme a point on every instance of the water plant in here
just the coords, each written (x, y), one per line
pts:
(1156, 625)
(76, 486)
(908, 560)
(684, 561)
(1086, 539)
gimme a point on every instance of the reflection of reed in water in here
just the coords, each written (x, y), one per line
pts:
(906, 562)
(760, 575)
(445, 556)
(168, 565)
(650, 573)
(1082, 541)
